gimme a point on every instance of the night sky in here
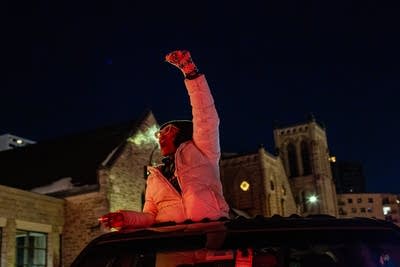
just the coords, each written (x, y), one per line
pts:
(72, 66)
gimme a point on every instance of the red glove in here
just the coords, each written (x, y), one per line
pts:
(183, 61)
(112, 220)
(126, 219)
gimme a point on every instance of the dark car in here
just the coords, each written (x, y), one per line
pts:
(277, 241)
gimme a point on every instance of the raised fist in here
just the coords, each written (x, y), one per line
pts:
(183, 61)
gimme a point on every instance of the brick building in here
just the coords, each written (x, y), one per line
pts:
(27, 216)
(79, 178)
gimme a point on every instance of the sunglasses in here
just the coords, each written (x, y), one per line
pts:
(166, 130)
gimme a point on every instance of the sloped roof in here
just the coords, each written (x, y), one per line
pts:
(78, 156)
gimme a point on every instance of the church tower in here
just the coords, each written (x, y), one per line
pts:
(303, 149)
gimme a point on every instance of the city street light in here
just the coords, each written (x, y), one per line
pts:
(313, 199)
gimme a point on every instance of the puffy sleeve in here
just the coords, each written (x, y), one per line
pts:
(205, 117)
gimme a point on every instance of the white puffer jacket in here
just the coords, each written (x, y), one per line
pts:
(197, 169)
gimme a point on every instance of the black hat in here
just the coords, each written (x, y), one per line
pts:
(185, 130)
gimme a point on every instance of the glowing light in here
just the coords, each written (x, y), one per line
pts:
(146, 137)
(332, 159)
(386, 210)
(312, 199)
(19, 141)
(245, 186)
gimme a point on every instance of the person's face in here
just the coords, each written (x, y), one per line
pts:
(166, 138)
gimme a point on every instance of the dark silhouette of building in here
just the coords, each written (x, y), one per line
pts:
(348, 177)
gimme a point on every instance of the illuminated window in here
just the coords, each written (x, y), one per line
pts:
(245, 186)
(31, 249)
(359, 200)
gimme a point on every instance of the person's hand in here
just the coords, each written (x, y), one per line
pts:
(183, 61)
(112, 220)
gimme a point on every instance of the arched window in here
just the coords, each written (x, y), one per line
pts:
(304, 201)
(272, 185)
(305, 156)
(294, 171)
(283, 190)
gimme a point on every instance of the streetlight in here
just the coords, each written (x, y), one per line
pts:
(312, 199)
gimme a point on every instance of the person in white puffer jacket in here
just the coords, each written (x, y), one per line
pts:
(187, 186)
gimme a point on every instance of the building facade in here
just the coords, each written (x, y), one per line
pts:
(372, 205)
(61, 220)
(31, 227)
(121, 186)
(391, 208)
(257, 184)
(348, 177)
(303, 149)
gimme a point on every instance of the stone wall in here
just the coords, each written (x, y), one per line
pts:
(127, 174)
(309, 142)
(269, 191)
(29, 211)
(121, 186)
(81, 222)
(280, 198)
(238, 170)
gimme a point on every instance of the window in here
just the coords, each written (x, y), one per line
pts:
(362, 210)
(359, 200)
(283, 190)
(244, 185)
(294, 171)
(305, 156)
(353, 210)
(272, 185)
(349, 200)
(31, 249)
(369, 209)
(370, 200)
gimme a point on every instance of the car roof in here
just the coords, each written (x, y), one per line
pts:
(257, 224)
(258, 232)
